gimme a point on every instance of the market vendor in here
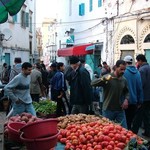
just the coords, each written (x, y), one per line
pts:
(116, 94)
(18, 90)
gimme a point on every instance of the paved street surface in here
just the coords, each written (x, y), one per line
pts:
(2, 121)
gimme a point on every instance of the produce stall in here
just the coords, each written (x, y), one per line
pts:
(89, 132)
(72, 132)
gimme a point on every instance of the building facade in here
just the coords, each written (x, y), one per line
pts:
(20, 35)
(132, 27)
(49, 38)
(119, 27)
(83, 22)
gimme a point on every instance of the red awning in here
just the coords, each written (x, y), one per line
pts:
(74, 50)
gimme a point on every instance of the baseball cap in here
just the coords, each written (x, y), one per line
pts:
(128, 58)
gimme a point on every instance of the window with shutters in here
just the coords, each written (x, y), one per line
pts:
(30, 23)
(70, 7)
(15, 18)
(27, 19)
(99, 3)
(90, 5)
(23, 19)
(82, 9)
(30, 20)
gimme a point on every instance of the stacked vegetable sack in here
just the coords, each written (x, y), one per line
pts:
(89, 132)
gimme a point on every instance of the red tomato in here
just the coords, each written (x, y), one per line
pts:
(97, 147)
(111, 135)
(111, 127)
(89, 137)
(75, 142)
(100, 138)
(124, 131)
(117, 137)
(59, 136)
(94, 143)
(84, 147)
(121, 145)
(72, 147)
(89, 145)
(82, 140)
(89, 148)
(128, 135)
(106, 131)
(118, 127)
(63, 132)
(107, 138)
(67, 147)
(68, 137)
(92, 133)
(74, 137)
(63, 140)
(112, 143)
(104, 144)
(95, 138)
(96, 131)
(117, 148)
(109, 147)
(123, 138)
(92, 124)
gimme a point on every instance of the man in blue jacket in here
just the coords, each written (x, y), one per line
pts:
(143, 114)
(133, 78)
(58, 85)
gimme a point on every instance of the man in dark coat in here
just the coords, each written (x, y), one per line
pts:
(80, 88)
(143, 113)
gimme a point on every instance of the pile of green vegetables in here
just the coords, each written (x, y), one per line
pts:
(45, 106)
(133, 145)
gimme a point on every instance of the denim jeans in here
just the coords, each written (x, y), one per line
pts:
(116, 116)
(22, 107)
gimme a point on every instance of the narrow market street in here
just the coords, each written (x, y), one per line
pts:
(74, 75)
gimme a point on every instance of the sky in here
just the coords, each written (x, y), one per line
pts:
(45, 9)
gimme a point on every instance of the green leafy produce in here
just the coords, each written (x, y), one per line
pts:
(45, 106)
(133, 145)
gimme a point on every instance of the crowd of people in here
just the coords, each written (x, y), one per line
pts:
(120, 94)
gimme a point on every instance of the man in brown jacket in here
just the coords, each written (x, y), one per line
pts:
(36, 86)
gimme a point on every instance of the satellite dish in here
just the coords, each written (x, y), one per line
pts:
(8, 34)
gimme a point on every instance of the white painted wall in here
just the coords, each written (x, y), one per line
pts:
(20, 36)
(88, 28)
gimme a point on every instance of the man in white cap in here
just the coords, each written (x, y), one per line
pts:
(133, 78)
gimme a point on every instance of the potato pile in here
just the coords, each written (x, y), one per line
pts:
(64, 121)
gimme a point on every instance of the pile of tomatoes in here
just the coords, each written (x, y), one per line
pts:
(96, 136)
